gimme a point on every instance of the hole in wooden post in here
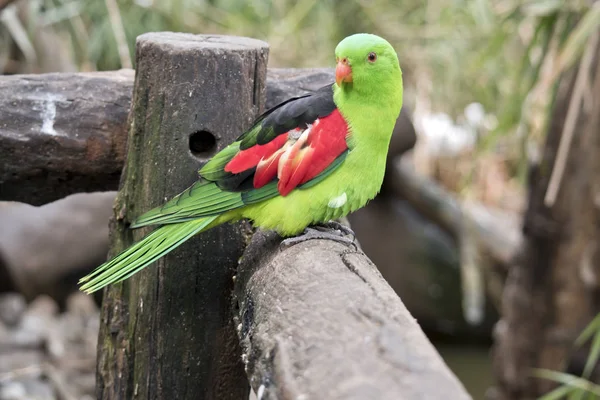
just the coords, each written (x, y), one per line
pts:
(203, 144)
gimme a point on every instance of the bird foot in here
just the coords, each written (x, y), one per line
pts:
(336, 226)
(331, 230)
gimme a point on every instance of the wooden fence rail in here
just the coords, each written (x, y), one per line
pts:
(318, 321)
(65, 133)
(62, 133)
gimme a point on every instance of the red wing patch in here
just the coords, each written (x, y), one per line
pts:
(250, 158)
(295, 157)
(313, 152)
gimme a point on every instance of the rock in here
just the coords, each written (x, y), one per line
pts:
(27, 390)
(13, 391)
(31, 333)
(46, 249)
(12, 307)
(39, 390)
(22, 339)
(17, 359)
(80, 304)
(43, 306)
(50, 355)
(37, 320)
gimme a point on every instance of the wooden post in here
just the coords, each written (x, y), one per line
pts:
(167, 333)
(318, 321)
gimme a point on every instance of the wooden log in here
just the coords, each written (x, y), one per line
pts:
(318, 321)
(62, 133)
(66, 133)
(167, 332)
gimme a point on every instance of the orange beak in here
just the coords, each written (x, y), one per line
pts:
(343, 72)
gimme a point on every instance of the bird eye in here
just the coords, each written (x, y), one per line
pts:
(372, 57)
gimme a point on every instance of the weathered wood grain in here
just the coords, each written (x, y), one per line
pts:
(62, 133)
(318, 321)
(167, 332)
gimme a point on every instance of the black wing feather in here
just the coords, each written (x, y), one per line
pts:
(293, 113)
(296, 113)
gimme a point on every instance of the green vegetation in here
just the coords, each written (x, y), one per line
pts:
(573, 387)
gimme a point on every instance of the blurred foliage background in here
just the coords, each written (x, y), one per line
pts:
(504, 54)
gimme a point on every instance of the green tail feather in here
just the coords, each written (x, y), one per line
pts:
(202, 199)
(143, 253)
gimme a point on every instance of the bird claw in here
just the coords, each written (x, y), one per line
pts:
(336, 226)
(331, 230)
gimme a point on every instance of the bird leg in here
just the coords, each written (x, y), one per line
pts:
(331, 230)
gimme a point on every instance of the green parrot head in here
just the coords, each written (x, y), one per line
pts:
(367, 63)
